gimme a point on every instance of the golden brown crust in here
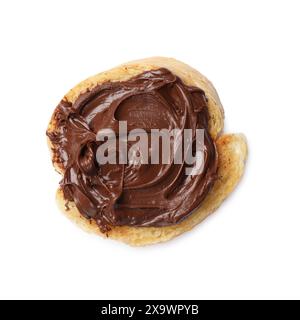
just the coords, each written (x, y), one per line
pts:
(232, 151)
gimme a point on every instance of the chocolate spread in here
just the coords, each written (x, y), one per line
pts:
(132, 194)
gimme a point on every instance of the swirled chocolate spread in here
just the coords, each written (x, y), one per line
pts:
(132, 194)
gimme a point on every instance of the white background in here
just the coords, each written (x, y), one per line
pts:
(250, 50)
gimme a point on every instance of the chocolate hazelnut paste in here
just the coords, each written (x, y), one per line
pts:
(133, 194)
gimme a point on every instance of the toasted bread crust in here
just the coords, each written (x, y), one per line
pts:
(232, 150)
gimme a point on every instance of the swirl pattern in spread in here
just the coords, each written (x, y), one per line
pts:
(132, 194)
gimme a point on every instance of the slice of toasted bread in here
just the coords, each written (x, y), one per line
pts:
(232, 150)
